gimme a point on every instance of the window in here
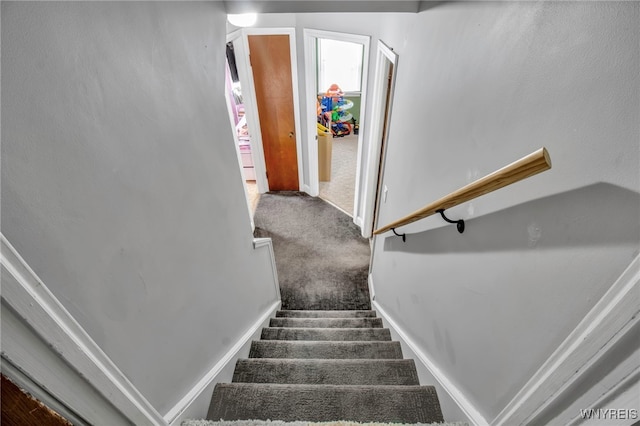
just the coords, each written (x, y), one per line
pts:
(339, 62)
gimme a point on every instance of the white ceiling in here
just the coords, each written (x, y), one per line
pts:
(313, 6)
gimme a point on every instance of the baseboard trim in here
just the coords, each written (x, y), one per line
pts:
(34, 303)
(211, 375)
(267, 242)
(334, 205)
(456, 394)
(372, 289)
(307, 188)
(607, 322)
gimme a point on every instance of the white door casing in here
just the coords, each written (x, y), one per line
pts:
(243, 63)
(365, 210)
(310, 37)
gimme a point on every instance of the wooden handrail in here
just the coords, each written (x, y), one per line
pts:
(534, 163)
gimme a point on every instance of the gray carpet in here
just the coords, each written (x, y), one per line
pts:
(326, 370)
(322, 260)
(362, 403)
(341, 188)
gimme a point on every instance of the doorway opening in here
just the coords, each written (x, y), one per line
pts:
(336, 67)
(339, 90)
(270, 135)
(240, 127)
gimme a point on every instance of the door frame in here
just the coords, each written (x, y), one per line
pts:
(310, 66)
(375, 165)
(236, 143)
(243, 63)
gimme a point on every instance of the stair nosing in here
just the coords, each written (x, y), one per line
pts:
(312, 386)
(324, 328)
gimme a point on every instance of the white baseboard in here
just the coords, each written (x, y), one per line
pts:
(306, 188)
(623, 396)
(37, 307)
(176, 414)
(372, 289)
(615, 314)
(452, 390)
(337, 207)
(199, 393)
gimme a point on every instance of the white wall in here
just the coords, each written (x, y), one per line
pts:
(480, 85)
(120, 182)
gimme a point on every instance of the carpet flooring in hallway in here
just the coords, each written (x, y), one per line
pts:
(341, 188)
(322, 260)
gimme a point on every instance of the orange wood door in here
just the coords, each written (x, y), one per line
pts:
(21, 409)
(271, 66)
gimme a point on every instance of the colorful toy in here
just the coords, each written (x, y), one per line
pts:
(334, 114)
(321, 128)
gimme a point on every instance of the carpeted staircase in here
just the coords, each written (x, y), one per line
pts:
(325, 366)
(326, 357)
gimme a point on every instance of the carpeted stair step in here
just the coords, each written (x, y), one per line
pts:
(344, 334)
(327, 322)
(327, 371)
(324, 350)
(243, 401)
(325, 314)
(198, 422)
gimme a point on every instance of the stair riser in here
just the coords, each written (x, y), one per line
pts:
(334, 334)
(326, 372)
(325, 350)
(326, 314)
(326, 322)
(406, 404)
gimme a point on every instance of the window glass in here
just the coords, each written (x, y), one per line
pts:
(339, 62)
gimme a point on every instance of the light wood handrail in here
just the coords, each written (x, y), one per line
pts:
(534, 163)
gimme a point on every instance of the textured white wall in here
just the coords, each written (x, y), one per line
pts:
(120, 182)
(480, 85)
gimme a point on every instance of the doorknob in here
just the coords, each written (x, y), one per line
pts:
(290, 134)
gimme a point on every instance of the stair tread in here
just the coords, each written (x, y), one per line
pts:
(325, 349)
(326, 334)
(361, 403)
(325, 314)
(327, 322)
(326, 371)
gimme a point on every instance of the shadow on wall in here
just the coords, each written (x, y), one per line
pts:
(596, 215)
(426, 5)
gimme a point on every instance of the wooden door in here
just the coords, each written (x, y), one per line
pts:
(20, 408)
(271, 66)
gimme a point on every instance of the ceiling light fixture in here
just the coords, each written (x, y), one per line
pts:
(242, 19)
